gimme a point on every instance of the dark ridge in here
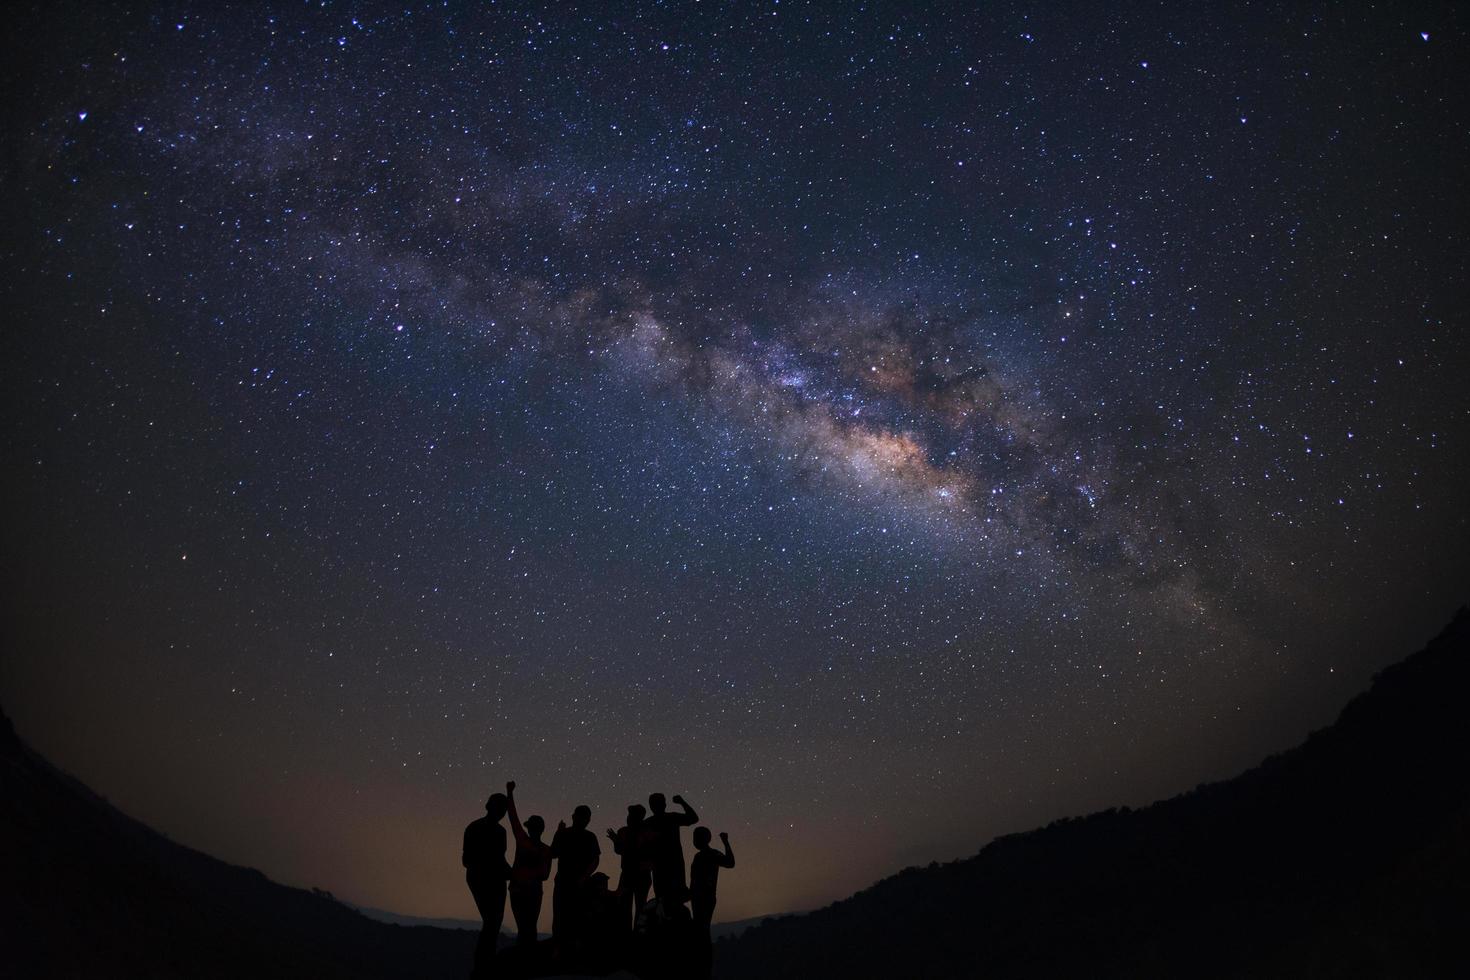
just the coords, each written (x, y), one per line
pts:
(1348, 856)
(86, 891)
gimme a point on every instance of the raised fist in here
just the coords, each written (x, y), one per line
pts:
(510, 787)
(724, 837)
(678, 799)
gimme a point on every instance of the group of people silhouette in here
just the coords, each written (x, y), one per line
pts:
(594, 927)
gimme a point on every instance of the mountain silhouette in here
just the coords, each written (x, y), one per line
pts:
(86, 891)
(1348, 856)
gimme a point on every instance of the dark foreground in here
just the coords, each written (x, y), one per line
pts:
(1348, 857)
(86, 891)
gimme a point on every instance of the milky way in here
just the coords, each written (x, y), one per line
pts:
(887, 428)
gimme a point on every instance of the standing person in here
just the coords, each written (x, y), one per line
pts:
(577, 855)
(605, 926)
(630, 843)
(486, 873)
(532, 866)
(704, 876)
(666, 849)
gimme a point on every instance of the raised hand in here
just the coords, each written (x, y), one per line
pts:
(510, 787)
(724, 837)
(678, 799)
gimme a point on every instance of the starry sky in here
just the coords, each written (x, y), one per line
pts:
(889, 426)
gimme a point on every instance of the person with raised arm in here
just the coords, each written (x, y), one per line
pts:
(532, 866)
(666, 850)
(704, 876)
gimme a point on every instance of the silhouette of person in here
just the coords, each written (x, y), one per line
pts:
(606, 921)
(486, 873)
(631, 843)
(704, 876)
(665, 848)
(577, 855)
(532, 866)
(662, 945)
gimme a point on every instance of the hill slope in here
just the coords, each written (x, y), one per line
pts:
(1348, 856)
(86, 891)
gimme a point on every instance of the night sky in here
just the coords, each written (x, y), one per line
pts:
(887, 427)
